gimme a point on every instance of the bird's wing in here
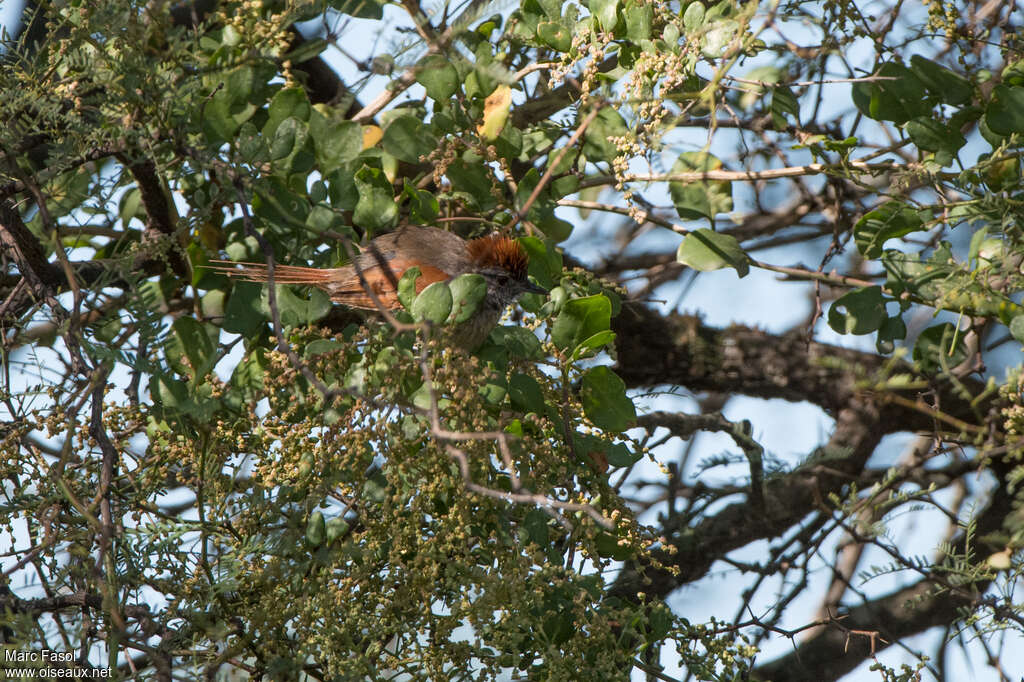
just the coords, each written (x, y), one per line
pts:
(354, 290)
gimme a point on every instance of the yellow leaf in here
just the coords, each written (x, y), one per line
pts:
(371, 136)
(496, 108)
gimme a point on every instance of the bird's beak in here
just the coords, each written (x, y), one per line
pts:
(532, 288)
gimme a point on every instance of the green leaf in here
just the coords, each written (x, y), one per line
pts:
(526, 394)
(948, 86)
(933, 135)
(472, 179)
(1013, 73)
(290, 148)
(552, 8)
(890, 220)
(701, 198)
(438, 77)
(938, 346)
(1003, 175)
(597, 142)
(608, 547)
(336, 528)
(1005, 112)
(716, 38)
(341, 187)
(580, 319)
(639, 17)
(279, 204)
(606, 12)
(605, 401)
(316, 529)
(321, 346)
(554, 35)
(892, 329)
(362, 9)
(433, 304)
(861, 311)
(423, 206)
(784, 102)
(243, 313)
(287, 103)
(545, 261)
(407, 139)
(295, 310)
(898, 98)
(131, 206)
(494, 390)
(168, 393)
(223, 115)
(693, 17)
(705, 250)
(619, 455)
(198, 342)
(518, 341)
(535, 523)
(468, 290)
(336, 143)
(376, 208)
(322, 218)
(247, 379)
(488, 26)
(1017, 328)
(594, 342)
(407, 287)
(252, 145)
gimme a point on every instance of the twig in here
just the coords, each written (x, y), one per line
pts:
(765, 84)
(859, 167)
(519, 494)
(639, 215)
(554, 164)
(527, 70)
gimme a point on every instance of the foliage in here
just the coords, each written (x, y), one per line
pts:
(204, 476)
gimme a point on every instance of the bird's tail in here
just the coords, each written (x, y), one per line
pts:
(283, 274)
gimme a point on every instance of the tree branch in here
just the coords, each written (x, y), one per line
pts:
(656, 350)
(895, 616)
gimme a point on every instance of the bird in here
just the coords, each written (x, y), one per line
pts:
(370, 282)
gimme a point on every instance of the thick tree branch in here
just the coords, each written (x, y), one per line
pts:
(680, 350)
(161, 217)
(21, 246)
(787, 500)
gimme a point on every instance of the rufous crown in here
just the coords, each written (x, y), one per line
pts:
(501, 252)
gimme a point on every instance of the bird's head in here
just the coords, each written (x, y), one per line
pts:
(503, 262)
